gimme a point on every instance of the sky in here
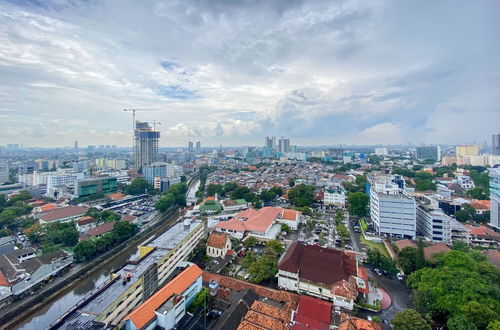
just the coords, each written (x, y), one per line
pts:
(229, 73)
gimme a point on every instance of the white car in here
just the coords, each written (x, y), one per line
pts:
(399, 276)
(378, 271)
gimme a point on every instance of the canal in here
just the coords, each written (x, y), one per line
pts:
(47, 314)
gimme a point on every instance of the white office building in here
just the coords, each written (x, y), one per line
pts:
(381, 152)
(465, 182)
(334, 196)
(495, 197)
(392, 209)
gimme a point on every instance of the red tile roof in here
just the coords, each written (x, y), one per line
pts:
(290, 214)
(85, 220)
(482, 231)
(102, 229)
(318, 264)
(143, 314)
(217, 240)
(64, 212)
(313, 313)
(402, 243)
(432, 250)
(257, 220)
(3, 280)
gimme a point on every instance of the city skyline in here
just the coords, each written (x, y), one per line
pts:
(349, 72)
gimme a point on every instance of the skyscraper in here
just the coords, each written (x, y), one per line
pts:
(495, 197)
(495, 144)
(190, 146)
(146, 145)
(75, 146)
(472, 150)
(268, 142)
(198, 147)
(284, 145)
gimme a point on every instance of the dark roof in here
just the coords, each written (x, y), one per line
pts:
(49, 257)
(104, 228)
(31, 265)
(233, 315)
(318, 264)
(6, 248)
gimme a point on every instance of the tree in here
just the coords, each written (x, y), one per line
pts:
(137, 187)
(242, 193)
(410, 319)
(423, 185)
(478, 193)
(462, 216)
(201, 300)
(493, 325)
(285, 228)
(460, 322)
(358, 202)
(478, 314)
(125, 229)
(165, 202)
(84, 250)
(250, 242)
(213, 189)
(301, 195)
(263, 268)
(274, 246)
(69, 237)
(291, 182)
(460, 246)
(406, 259)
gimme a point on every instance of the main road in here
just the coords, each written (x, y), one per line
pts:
(51, 311)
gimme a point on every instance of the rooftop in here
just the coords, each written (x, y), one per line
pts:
(63, 212)
(313, 313)
(143, 314)
(217, 240)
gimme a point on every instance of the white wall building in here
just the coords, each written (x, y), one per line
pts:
(4, 172)
(495, 197)
(392, 209)
(334, 197)
(465, 182)
(381, 152)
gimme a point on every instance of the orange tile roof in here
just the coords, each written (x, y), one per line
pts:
(482, 231)
(290, 214)
(402, 243)
(143, 314)
(3, 280)
(481, 205)
(354, 323)
(257, 220)
(116, 196)
(217, 240)
(48, 207)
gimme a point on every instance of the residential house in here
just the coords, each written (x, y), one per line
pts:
(218, 245)
(85, 223)
(349, 322)
(313, 313)
(324, 273)
(100, 230)
(235, 205)
(483, 236)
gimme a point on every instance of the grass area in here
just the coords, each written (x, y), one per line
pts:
(373, 245)
(363, 224)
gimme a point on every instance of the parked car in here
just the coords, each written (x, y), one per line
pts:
(349, 247)
(399, 276)
(378, 271)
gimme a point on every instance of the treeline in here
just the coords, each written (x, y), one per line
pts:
(204, 172)
(12, 210)
(89, 248)
(175, 196)
(53, 236)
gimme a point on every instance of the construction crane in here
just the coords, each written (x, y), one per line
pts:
(133, 126)
(155, 123)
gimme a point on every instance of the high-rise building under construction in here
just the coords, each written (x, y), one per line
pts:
(146, 145)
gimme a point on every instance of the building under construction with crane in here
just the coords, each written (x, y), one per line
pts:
(146, 140)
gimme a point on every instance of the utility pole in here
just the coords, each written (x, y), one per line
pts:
(133, 127)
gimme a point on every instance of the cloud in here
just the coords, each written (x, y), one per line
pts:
(229, 72)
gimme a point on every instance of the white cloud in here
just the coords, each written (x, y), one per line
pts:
(231, 72)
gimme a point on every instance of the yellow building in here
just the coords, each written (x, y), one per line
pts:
(462, 151)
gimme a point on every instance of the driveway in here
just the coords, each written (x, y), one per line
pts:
(400, 297)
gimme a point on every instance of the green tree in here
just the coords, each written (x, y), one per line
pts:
(137, 186)
(85, 250)
(493, 325)
(423, 185)
(410, 319)
(250, 242)
(301, 195)
(478, 314)
(125, 229)
(358, 203)
(243, 193)
(213, 189)
(265, 267)
(201, 300)
(286, 228)
(165, 202)
(478, 193)
(291, 182)
(69, 237)
(274, 246)
(407, 259)
(460, 322)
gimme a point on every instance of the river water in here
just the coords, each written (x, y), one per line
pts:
(43, 317)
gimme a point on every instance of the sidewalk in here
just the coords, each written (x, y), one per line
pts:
(378, 294)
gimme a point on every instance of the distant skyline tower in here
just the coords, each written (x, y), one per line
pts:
(495, 144)
(198, 147)
(146, 144)
(75, 146)
(268, 143)
(190, 146)
(284, 145)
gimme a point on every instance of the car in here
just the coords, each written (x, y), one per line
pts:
(378, 271)
(349, 247)
(399, 276)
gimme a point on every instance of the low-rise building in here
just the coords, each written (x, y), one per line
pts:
(334, 197)
(263, 224)
(92, 186)
(324, 273)
(167, 306)
(85, 223)
(218, 245)
(234, 205)
(63, 214)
